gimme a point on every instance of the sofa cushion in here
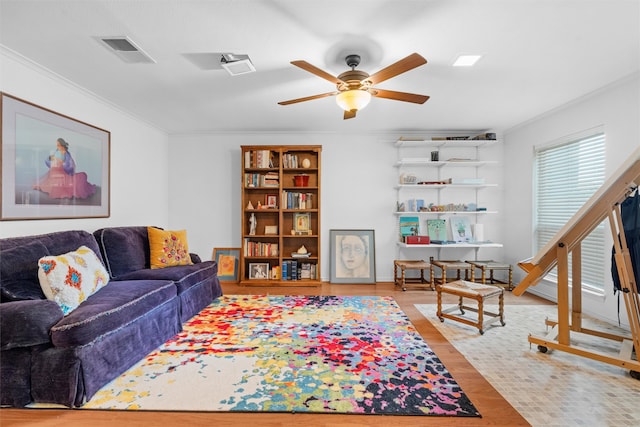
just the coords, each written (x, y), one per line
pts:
(19, 271)
(168, 248)
(27, 323)
(71, 278)
(184, 276)
(110, 309)
(58, 242)
(124, 249)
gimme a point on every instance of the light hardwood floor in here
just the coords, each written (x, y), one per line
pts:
(495, 410)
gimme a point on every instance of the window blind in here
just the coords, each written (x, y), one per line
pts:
(567, 175)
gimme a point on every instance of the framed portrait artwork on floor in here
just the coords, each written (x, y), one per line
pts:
(53, 166)
(352, 256)
(228, 264)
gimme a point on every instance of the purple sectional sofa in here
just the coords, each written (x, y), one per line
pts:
(46, 357)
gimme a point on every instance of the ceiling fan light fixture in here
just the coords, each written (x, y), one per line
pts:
(355, 99)
(237, 64)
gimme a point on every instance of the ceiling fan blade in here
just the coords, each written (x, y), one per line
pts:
(409, 63)
(317, 71)
(307, 98)
(349, 114)
(399, 96)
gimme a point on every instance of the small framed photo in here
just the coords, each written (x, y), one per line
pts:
(271, 200)
(302, 222)
(259, 270)
(352, 256)
(228, 260)
(270, 229)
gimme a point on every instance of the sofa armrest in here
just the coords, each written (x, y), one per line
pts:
(195, 258)
(27, 323)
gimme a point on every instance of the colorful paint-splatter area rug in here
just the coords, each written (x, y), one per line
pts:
(314, 354)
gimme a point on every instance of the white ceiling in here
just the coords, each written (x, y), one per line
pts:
(538, 55)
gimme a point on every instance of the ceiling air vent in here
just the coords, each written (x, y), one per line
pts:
(127, 50)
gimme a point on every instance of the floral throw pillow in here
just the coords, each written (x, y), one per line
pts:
(71, 278)
(168, 248)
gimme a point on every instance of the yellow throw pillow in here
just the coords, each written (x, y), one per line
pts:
(71, 278)
(168, 248)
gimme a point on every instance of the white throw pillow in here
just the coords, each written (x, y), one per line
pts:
(71, 278)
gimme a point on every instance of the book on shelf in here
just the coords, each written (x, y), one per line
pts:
(298, 270)
(414, 205)
(260, 249)
(296, 200)
(305, 270)
(270, 179)
(290, 160)
(258, 159)
(437, 230)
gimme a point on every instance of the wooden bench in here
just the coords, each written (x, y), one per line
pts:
(444, 266)
(492, 266)
(476, 291)
(402, 280)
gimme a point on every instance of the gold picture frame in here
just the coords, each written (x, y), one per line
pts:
(302, 223)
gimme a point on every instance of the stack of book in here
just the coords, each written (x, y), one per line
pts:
(289, 160)
(258, 159)
(260, 249)
(298, 270)
(271, 179)
(296, 200)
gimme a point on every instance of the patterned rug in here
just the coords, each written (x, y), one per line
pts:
(554, 389)
(320, 354)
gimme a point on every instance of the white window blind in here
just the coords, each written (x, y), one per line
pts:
(567, 175)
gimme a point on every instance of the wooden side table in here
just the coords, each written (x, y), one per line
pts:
(492, 266)
(457, 266)
(402, 280)
(476, 291)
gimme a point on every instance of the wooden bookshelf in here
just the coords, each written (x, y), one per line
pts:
(281, 198)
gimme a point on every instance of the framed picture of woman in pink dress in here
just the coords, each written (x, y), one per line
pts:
(53, 166)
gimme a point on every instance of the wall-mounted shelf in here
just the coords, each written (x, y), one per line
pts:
(448, 171)
(435, 213)
(454, 245)
(439, 186)
(452, 163)
(410, 142)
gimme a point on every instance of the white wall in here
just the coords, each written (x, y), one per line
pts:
(617, 108)
(358, 191)
(139, 152)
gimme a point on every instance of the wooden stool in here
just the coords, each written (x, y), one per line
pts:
(402, 280)
(477, 291)
(492, 266)
(458, 266)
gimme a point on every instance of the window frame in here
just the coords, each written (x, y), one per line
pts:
(589, 147)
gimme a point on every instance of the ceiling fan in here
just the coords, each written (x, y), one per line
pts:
(355, 88)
